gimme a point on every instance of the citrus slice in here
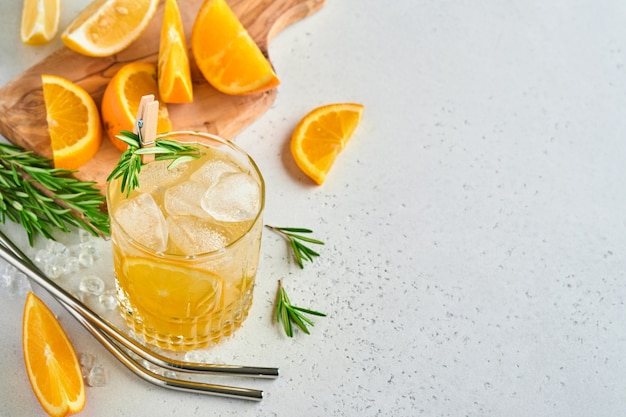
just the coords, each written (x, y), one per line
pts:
(121, 98)
(165, 290)
(106, 27)
(227, 56)
(40, 21)
(73, 122)
(51, 362)
(174, 75)
(321, 135)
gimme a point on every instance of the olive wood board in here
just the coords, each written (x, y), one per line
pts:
(22, 108)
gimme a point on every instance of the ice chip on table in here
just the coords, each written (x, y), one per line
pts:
(155, 176)
(91, 285)
(184, 199)
(211, 171)
(98, 376)
(107, 300)
(235, 197)
(143, 221)
(193, 236)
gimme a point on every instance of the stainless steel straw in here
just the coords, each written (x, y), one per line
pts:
(116, 343)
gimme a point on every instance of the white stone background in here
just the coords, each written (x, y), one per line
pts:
(475, 225)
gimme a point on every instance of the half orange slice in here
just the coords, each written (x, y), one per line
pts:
(122, 96)
(73, 122)
(174, 74)
(321, 135)
(51, 363)
(226, 54)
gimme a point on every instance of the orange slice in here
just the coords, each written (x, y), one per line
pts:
(193, 294)
(121, 98)
(226, 54)
(51, 362)
(73, 122)
(174, 75)
(40, 21)
(321, 135)
(106, 27)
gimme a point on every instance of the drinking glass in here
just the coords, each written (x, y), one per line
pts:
(186, 244)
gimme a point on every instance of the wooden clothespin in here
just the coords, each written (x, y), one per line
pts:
(146, 124)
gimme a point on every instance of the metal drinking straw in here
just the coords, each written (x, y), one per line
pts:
(123, 347)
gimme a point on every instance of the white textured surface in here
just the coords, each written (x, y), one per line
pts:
(475, 226)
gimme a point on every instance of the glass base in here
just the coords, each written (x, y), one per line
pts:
(185, 334)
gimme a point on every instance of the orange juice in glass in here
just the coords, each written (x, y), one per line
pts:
(186, 244)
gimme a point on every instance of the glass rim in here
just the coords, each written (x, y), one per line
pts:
(200, 256)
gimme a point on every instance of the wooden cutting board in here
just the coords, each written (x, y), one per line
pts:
(22, 109)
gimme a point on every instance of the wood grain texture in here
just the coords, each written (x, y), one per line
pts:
(22, 109)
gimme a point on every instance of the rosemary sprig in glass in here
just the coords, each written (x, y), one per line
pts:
(300, 251)
(287, 313)
(43, 198)
(129, 165)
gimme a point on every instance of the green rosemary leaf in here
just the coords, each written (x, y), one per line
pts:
(298, 320)
(296, 252)
(306, 310)
(43, 198)
(295, 229)
(306, 239)
(153, 150)
(180, 160)
(287, 313)
(129, 165)
(130, 138)
(300, 251)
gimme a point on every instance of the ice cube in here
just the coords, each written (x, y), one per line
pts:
(235, 197)
(15, 281)
(143, 221)
(71, 266)
(211, 171)
(91, 285)
(107, 300)
(155, 175)
(184, 199)
(21, 285)
(98, 376)
(8, 276)
(199, 356)
(87, 360)
(85, 259)
(55, 266)
(193, 236)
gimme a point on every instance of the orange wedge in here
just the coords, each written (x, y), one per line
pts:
(321, 135)
(51, 362)
(174, 75)
(121, 98)
(73, 122)
(106, 27)
(40, 21)
(226, 54)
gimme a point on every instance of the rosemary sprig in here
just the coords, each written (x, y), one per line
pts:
(129, 165)
(300, 251)
(287, 313)
(43, 198)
